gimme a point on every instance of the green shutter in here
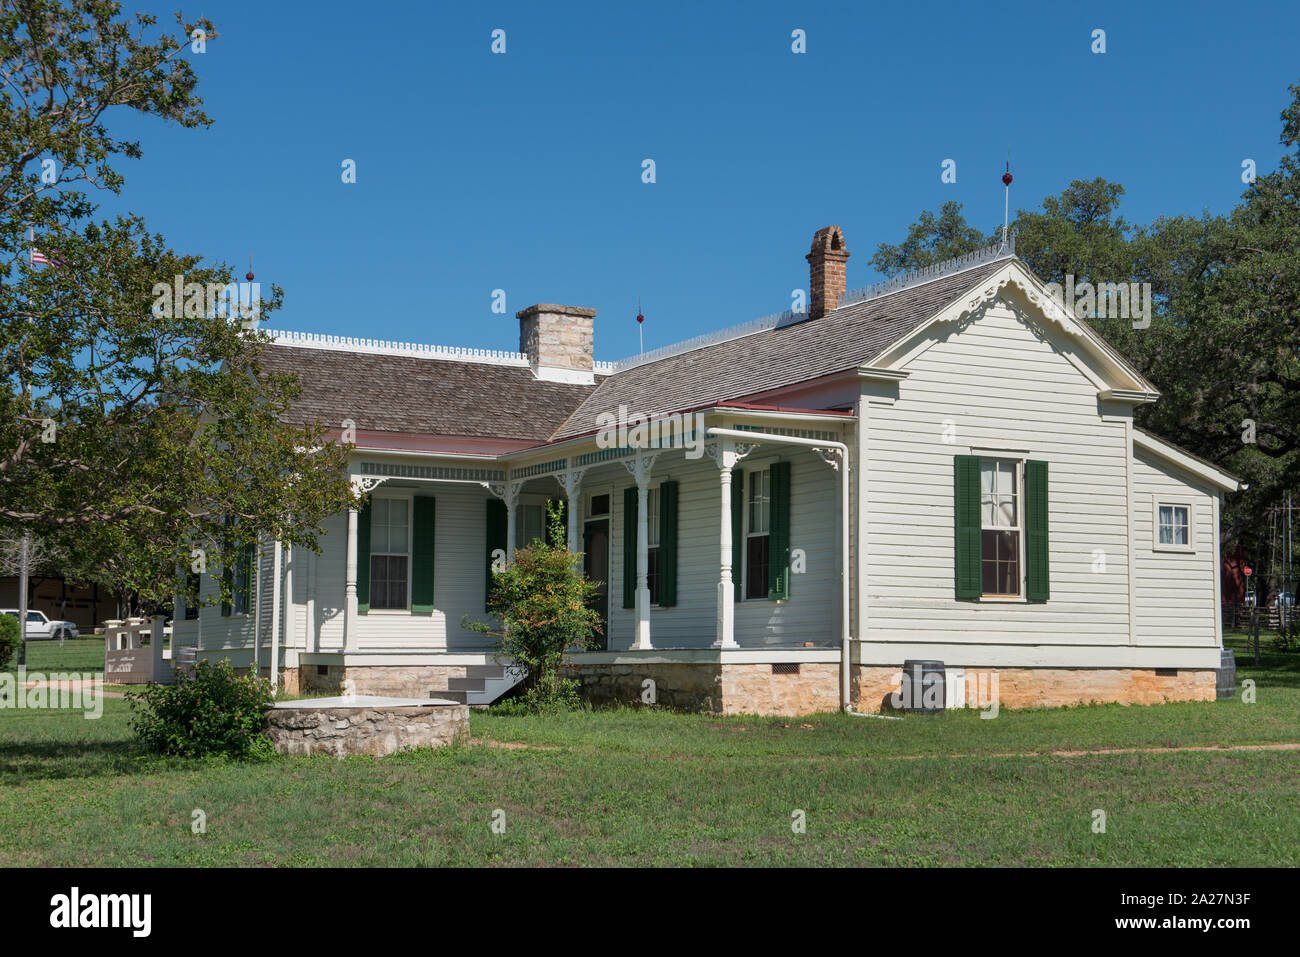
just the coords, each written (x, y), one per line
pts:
(363, 559)
(738, 531)
(629, 547)
(422, 533)
(966, 502)
(227, 574)
(778, 562)
(227, 591)
(667, 544)
(1037, 586)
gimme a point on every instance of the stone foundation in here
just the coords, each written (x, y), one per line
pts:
(714, 688)
(1051, 687)
(375, 731)
(416, 681)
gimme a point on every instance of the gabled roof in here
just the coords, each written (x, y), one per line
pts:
(396, 393)
(1188, 461)
(838, 341)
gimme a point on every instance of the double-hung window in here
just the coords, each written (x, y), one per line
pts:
(1173, 526)
(1001, 533)
(389, 552)
(758, 532)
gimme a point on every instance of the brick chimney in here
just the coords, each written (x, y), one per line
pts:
(827, 276)
(558, 341)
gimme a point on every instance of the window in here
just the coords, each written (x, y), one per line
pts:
(1000, 530)
(389, 552)
(1173, 521)
(652, 543)
(758, 515)
(191, 596)
(599, 505)
(532, 521)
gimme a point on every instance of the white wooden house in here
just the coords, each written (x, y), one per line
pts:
(943, 467)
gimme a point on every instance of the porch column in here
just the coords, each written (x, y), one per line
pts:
(350, 586)
(571, 482)
(640, 468)
(511, 498)
(724, 452)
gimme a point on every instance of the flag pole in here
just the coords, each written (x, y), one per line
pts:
(1006, 198)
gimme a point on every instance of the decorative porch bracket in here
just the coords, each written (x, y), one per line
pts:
(571, 481)
(508, 491)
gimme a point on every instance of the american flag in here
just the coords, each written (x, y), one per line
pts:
(39, 258)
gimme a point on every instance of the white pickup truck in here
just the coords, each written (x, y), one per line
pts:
(40, 627)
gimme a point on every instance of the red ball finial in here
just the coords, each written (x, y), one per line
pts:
(640, 318)
(249, 275)
(1006, 179)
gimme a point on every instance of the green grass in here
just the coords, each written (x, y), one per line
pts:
(647, 787)
(80, 654)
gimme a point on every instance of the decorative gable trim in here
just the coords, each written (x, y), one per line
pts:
(1016, 275)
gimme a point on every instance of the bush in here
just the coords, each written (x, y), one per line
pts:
(210, 710)
(542, 602)
(9, 640)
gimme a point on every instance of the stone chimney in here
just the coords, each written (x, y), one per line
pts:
(559, 342)
(827, 276)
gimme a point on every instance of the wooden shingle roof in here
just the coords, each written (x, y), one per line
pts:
(843, 339)
(394, 393)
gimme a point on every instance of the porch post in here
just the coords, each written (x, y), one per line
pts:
(350, 586)
(640, 468)
(726, 624)
(571, 482)
(511, 498)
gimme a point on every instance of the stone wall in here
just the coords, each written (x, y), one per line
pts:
(1053, 687)
(415, 681)
(375, 731)
(714, 688)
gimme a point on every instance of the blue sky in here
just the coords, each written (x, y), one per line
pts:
(522, 171)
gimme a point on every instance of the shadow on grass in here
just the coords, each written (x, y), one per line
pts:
(25, 761)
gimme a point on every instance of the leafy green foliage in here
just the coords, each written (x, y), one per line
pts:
(543, 604)
(9, 639)
(128, 437)
(209, 711)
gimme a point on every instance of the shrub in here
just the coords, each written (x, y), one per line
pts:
(210, 710)
(9, 640)
(542, 602)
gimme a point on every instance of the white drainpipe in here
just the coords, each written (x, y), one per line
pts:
(747, 436)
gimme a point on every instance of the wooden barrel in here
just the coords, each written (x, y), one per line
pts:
(1225, 684)
(922, 690)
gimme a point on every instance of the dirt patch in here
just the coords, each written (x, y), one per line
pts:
(511, 745)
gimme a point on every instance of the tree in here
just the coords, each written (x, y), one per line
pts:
(930, 239)
(139, 432)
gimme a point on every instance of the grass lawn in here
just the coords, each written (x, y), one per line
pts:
(649, 787)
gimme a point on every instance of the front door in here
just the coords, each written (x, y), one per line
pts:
(595, 565)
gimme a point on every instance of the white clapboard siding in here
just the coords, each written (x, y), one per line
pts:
(811, 612)
(1001, 385)
(460, 569)
(1176, 592)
